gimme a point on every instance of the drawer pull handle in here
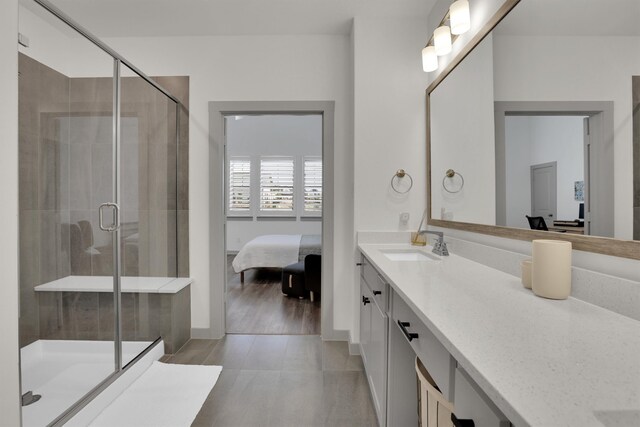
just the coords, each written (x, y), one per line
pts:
(377, 292)
(461, 423)
(365, 300)
(403, 327)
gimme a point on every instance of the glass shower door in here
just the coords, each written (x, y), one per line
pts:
(98, 150)
(68, 319)
(148, 182)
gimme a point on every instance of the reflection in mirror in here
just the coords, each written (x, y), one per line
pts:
(544, 155)
(542, 120)
(553, 162)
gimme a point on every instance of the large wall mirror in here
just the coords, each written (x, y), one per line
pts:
(539, 120)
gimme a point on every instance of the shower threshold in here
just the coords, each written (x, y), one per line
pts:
(63, 371)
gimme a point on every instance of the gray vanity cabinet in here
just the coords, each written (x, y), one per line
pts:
(391, 336)
(402, 396)
(440, 364)
(374, 324)
(365, 322)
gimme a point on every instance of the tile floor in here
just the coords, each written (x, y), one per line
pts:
(281, 380)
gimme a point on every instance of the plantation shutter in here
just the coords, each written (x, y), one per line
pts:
(240, 185)
(313, 186)
(276, 185)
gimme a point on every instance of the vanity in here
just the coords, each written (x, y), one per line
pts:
(520, 131)
(500, 354)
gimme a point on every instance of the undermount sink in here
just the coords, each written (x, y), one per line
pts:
(408, 255)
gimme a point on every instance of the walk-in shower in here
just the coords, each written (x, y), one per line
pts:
(99, 213)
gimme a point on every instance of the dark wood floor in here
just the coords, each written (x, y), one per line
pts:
(259, 307)
(281, 380)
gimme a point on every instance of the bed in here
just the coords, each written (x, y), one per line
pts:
(276, 251)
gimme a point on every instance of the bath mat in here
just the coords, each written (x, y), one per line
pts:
(165, 395)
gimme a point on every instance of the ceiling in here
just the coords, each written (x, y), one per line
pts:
(573, 18)
(140, 18)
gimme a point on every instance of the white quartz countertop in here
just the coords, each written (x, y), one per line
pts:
(542, 362)
(159, 285)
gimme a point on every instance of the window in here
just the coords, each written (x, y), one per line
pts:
(313, 186)
(276, 185)
(240, 185)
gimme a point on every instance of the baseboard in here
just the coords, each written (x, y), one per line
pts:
(336, 335)
(344, 335)
(354, 347)
(204, 334)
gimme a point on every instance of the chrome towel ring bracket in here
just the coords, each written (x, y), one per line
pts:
(398, 179)
(450, 183)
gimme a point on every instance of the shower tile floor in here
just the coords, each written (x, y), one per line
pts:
(63, 371)
(281, 380)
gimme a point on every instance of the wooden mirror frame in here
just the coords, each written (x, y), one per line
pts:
(602, 245)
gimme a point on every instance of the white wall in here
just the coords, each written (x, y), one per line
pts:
(274, 135)
(463, 139)
(57, 46)
(9, 369)
(533, 140)
(254, 68)
(389, 120)
(389, 126)
(517, 170)
(609, 80)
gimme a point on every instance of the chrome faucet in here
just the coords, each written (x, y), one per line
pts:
(439, 247)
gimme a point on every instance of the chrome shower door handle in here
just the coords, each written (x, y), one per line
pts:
(115, 223)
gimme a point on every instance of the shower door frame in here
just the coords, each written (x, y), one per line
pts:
(118, 61)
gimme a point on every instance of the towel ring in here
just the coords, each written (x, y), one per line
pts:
(451, 174)
(395, 180)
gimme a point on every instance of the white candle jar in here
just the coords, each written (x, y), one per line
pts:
(551, 269)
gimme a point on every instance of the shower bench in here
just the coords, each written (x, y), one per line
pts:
(81, 308)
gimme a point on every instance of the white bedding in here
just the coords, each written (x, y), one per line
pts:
(273, 250)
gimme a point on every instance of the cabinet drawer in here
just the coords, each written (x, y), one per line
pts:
(471, 403)
(433, 355)
(376, 283)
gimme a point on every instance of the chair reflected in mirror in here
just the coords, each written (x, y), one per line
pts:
(537, 223)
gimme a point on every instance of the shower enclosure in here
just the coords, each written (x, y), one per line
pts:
(98, 162)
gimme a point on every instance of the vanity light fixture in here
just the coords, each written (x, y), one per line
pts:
(442, 40)
(457, 21)
(429, 59)
(460, 17)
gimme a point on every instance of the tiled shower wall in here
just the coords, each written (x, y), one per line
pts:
(66, 172)
(44, 189)
(178, 86)
(89, 316)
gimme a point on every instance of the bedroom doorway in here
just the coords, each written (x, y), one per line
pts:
(217, 296)
(273, 196)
